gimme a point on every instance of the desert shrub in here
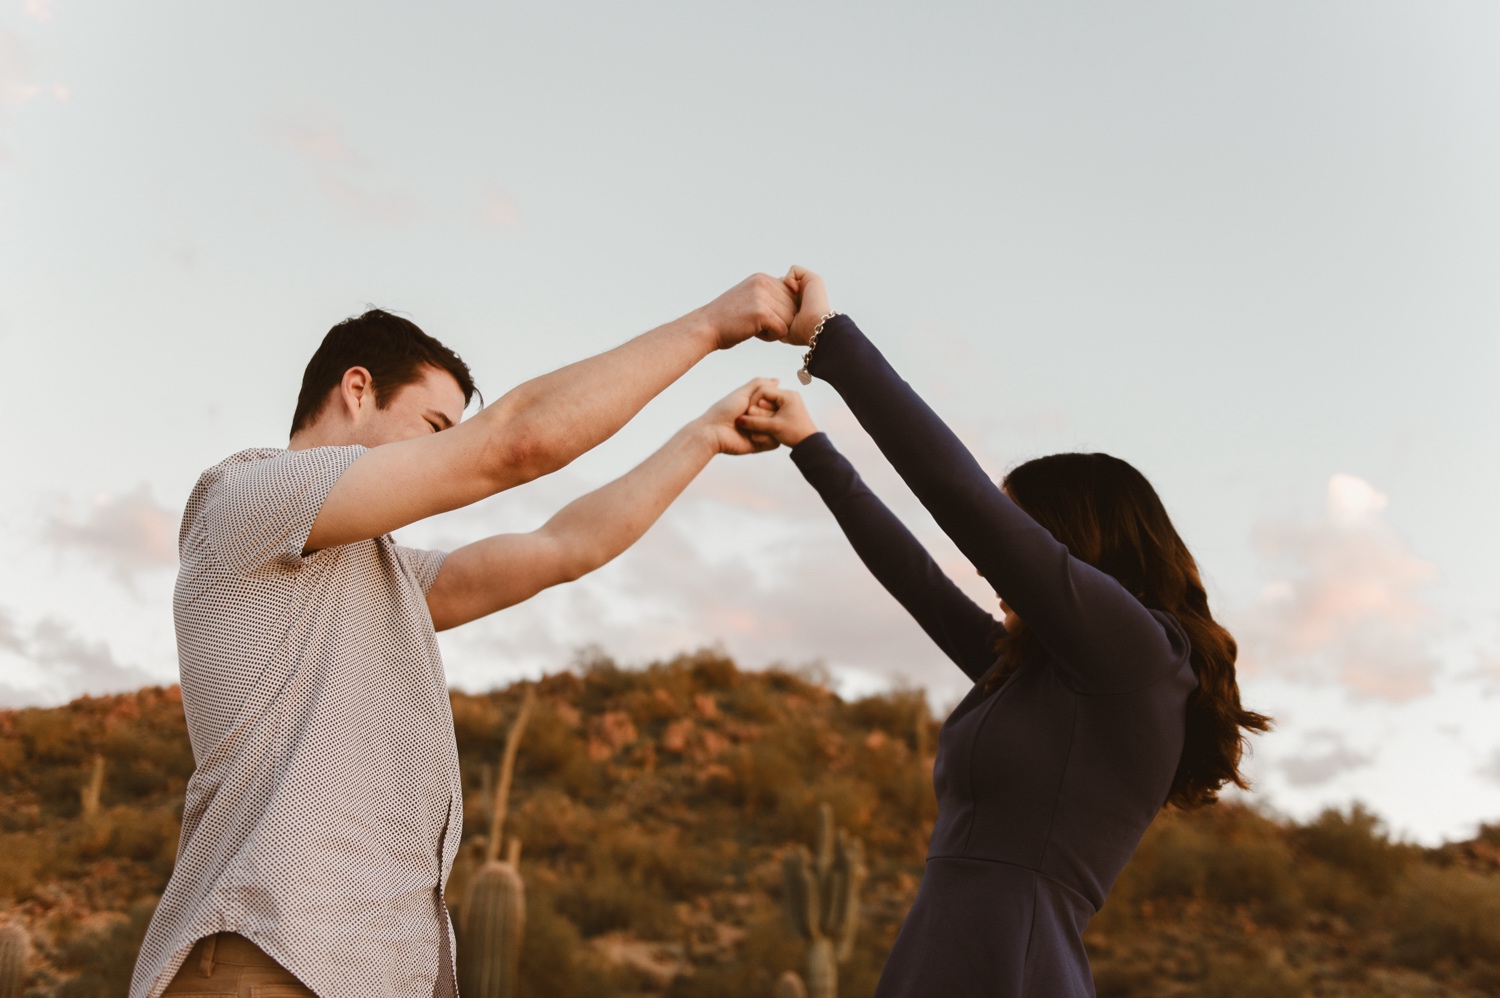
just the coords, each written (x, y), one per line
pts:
(102, 957)
(479, 722)
(712, 671)
(1256, 872)
(1242, 975)
(12, 754)
(1446, 913)
(1229, 855)
(762, 772)
(147, 836)
(1355, 841)
(606, 899)
(555, 752)
(145, 760)
(1171, 862)
(752, 702)
(23, 857)
(900, 714)
(663, 860)
(550, 822)
(1338, 891)
(603, 681)
(554, 962)
(49, 736)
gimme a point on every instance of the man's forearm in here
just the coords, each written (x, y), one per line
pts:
(596, 528)
(548, 421)
(501, 571)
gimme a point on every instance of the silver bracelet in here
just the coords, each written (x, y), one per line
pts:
(804, 375)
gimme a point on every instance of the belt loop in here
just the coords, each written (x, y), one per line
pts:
(206, 961)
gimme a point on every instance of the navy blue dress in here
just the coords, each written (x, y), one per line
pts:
(1046, 785)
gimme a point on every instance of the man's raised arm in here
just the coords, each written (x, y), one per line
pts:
(542, 425)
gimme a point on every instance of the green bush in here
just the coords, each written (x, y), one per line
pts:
(102, 958)
(1356, 841)
(1446, 914)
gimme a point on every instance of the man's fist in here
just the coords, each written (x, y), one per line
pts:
(721, 420)
(760, 305)
(812, 304)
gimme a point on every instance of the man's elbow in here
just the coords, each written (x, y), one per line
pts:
(519, 456)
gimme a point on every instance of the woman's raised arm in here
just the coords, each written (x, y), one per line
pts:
(955, 623)
(1101, 637)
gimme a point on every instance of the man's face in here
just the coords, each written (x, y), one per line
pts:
(430, 404)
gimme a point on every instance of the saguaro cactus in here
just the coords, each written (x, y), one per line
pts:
(90, 792)
(12, 961)
(822, 894)
(494, 911)
(789, 985)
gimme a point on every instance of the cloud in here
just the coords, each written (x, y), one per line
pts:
(40, 9)
(349, 179)
(1345, 601)
(69, 663)
(126, 536)
(16, 87)
(1491, 769)
(749, 560)
(1326, 757)
(497, 209)
(10, 638)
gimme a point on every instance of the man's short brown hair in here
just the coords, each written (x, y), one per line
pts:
(391, 348)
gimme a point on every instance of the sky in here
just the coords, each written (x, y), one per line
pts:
(1250, 247)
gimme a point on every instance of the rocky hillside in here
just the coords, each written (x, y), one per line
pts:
(655, 805)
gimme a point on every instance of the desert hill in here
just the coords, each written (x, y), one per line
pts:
(655, 804)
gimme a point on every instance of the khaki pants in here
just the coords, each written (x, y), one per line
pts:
(230, 966)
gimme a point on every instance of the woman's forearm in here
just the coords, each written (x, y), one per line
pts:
(955, 623)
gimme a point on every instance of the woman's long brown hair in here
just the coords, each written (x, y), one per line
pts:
(1110, 517)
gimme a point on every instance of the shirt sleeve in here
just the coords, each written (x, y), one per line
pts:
(423, 564)
(259, 513)
(955, 623)
(1100, 637)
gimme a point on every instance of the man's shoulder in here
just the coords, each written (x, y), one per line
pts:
(250, 455)
(237, 462)
(253, 460)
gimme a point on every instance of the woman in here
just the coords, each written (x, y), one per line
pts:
(1107, 692)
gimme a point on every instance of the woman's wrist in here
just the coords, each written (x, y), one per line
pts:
(795, 435)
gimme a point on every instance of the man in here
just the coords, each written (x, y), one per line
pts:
(322, 819)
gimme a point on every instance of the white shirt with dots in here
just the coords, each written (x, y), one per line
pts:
(326, 808)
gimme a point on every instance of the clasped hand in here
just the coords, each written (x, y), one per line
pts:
(761, 415)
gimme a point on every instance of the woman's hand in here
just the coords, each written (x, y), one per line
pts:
(812, 304)
(722, 429)
(778, 415)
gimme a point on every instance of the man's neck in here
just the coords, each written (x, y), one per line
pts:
(319, 434)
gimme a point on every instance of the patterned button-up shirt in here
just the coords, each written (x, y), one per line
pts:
(324, 813)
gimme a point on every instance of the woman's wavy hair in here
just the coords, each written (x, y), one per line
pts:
(1109, 516)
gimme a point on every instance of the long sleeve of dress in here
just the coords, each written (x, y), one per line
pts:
(1096, 633)
(959, 626)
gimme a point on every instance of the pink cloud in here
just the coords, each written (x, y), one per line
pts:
(125, 535)
(350, 180)
(497, 209)
(313, 136)
(15, 71)
(40, 9)
(359, 202)
(1345, 601)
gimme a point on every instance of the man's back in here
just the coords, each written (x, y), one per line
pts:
(326, 806)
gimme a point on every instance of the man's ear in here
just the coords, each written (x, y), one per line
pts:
(355, 386)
